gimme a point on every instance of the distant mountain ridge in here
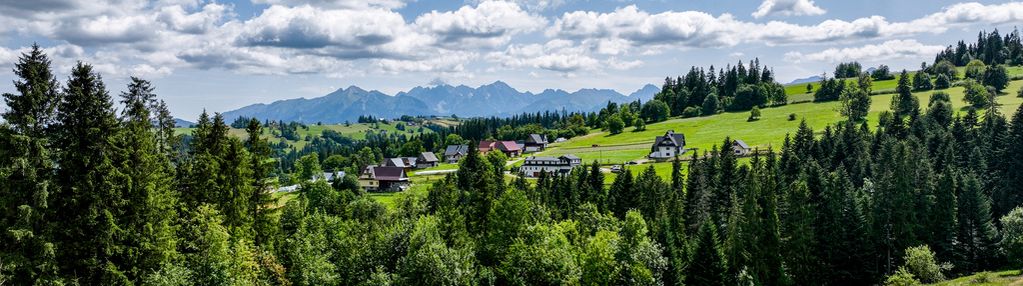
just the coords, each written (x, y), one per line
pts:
(494, 99)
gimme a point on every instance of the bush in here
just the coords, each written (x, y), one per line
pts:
(1012, 236)
(976, 94)
(983, 277)
(691, 111)
(1020, 92)
(754, 114)
(792, 117)
(902, 277)
(942, 82)
(921, 263)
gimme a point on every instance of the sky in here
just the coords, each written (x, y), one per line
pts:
(222, 55)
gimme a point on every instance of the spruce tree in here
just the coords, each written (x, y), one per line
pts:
(25, 172)
(260, 200)
(904, 103)
(148, 214)
(977, 233)
(86, 206)
(707, 266)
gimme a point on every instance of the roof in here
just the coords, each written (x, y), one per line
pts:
(329, 176)
(571, 157)
(536, 138)
(740, 143)
(386, 173)
(428, 157)
(486, 145)
(670, 138)
(508, 146)
(395, 162)
(456, 149)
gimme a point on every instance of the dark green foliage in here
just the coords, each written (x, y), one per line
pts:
(655, 111)
(830, 89)
(942, 82)
(996, 76)
(708, 265)
(976, 94)
(922, 81)
(904, 103)
(615, 124)
(848, 70)
(855, 103)
(882, 72)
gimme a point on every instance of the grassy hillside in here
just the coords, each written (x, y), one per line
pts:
(797, 92)
(1011, 277)
(704, 132)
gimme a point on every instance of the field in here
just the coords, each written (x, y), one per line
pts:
(702, 133)
(797, 92)
(1011, 277)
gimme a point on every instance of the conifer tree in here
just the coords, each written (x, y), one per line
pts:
(977, 233)
(260, 200)
(148, 213)
(707, 266)
(622, 196)
(904, 103)
(86, 207)
(25, 172)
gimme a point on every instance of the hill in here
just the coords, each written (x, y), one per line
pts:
(495, 99)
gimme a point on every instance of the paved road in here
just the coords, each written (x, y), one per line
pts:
(435, 172)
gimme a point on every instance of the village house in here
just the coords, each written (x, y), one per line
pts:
(668, 146)
(509, 148)
(533, 166)
(535, 143)
(427, 160)
(453, 153)
(740, 147)
(384, 179)
(407, 163)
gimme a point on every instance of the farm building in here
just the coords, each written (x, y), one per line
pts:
(740, 147)
(533, 166)
(427, 160)
(535, 143)
(453, 153)
(386, 179)
(668, 146)
(509, 148)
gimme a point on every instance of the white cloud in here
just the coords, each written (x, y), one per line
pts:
(531, 5)
(338, 4)
(894, 49)
(788, 8)
(307, 27)
(693, 29)
(491, 23)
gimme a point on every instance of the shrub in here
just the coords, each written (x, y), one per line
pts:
(942, 82)
(792, 117)
(976, 94)
(1020, 92)
(921, 263)
(1012, 236)
(754, 114)
(902, 277)
(983, 277)
(691, 111)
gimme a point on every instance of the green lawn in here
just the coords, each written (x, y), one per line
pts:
(1010, 277)
(797, 92)
(769, 132)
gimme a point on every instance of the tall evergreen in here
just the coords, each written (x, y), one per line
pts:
(147, 216)
(86, 206)
(904, 103)
(260, 200)
(707, 266)
(26, 173)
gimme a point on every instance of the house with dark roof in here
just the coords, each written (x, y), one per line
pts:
(426, 160)
(668, 146)
(535, 143)
(532, 166)
(740, 147)
(384, 179)
(509, 148)
(453, 153)
(405, 162)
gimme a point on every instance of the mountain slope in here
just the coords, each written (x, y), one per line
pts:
(495, 99)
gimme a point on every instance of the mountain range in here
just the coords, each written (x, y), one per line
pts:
(494, 99)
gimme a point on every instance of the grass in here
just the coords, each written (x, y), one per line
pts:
(797, 92)
(1010, 277)
(703, 133)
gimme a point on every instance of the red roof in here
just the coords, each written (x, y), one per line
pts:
(509, 146)
(486, 145)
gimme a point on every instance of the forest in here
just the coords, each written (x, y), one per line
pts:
(94, 194)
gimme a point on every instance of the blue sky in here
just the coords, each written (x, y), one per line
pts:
(221, 55)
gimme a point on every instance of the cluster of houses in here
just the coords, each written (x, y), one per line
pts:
(674, 144)
(391, 175)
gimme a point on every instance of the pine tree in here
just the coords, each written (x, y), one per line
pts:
(86, 205)
(475, 179)
(260, 200)
(904, 103)
(707, 266)
(148, 213)
(977, 233)
(622, 196)
(1009, 192)
(25, 170)
(799, 242)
